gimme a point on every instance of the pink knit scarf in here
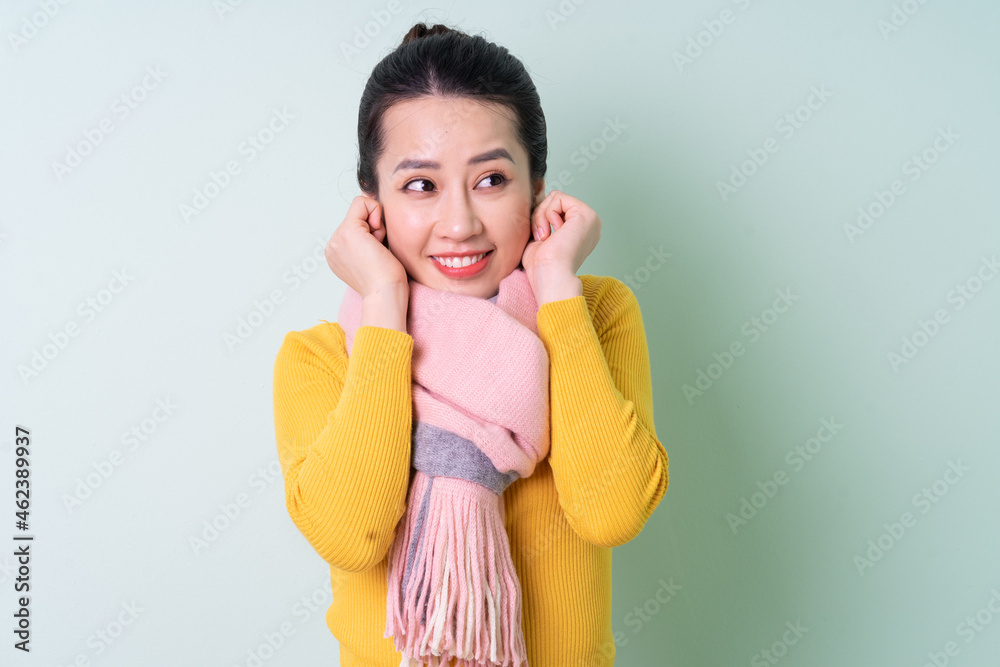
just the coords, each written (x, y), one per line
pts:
(480, 421)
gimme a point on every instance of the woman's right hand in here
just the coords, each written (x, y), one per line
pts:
(355, 252)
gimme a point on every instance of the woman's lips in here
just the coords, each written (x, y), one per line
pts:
(464, 271)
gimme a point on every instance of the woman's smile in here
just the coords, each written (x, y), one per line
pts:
(462, 267)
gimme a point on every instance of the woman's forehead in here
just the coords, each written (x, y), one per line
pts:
(432, 120)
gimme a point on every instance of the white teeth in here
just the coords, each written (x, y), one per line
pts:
(458, 262)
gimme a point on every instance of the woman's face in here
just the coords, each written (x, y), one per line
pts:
(454, 179)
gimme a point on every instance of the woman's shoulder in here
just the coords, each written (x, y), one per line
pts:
(322, 333)
(602, 285)
(607, 297)
(325, 341)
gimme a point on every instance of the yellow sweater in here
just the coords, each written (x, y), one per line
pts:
(343, 433)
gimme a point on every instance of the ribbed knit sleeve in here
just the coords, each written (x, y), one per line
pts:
(609, 468)
(343, 431)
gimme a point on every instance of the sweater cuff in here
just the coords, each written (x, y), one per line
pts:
(565, 325)
(386, 355)
(393, 340)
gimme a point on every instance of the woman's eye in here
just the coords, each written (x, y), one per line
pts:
(419, 180)
(496, 174)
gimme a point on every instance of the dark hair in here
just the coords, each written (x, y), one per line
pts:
(446, 62)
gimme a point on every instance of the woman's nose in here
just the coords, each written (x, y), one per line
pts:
(459, 218)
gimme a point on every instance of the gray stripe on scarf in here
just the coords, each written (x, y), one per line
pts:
(441, 453)
(418, 531)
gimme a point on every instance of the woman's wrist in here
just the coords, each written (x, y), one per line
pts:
(386, 307)
(557, 287)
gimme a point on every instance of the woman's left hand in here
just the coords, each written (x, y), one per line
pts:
(552, 258)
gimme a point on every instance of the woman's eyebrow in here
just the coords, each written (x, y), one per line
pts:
(475, 159)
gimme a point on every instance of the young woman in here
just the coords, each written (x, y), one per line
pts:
(466, 445)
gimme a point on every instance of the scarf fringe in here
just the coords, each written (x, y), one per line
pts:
(462, 599)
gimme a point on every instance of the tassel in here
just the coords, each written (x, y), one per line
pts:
(461, 599)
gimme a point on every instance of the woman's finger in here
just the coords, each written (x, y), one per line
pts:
(557, 210)
(545, 212)
(538, 223)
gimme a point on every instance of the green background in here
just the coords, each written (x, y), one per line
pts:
(644, 138)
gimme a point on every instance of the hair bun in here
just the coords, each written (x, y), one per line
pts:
(421, 30)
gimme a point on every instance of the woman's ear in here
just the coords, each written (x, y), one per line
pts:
(539, 194)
